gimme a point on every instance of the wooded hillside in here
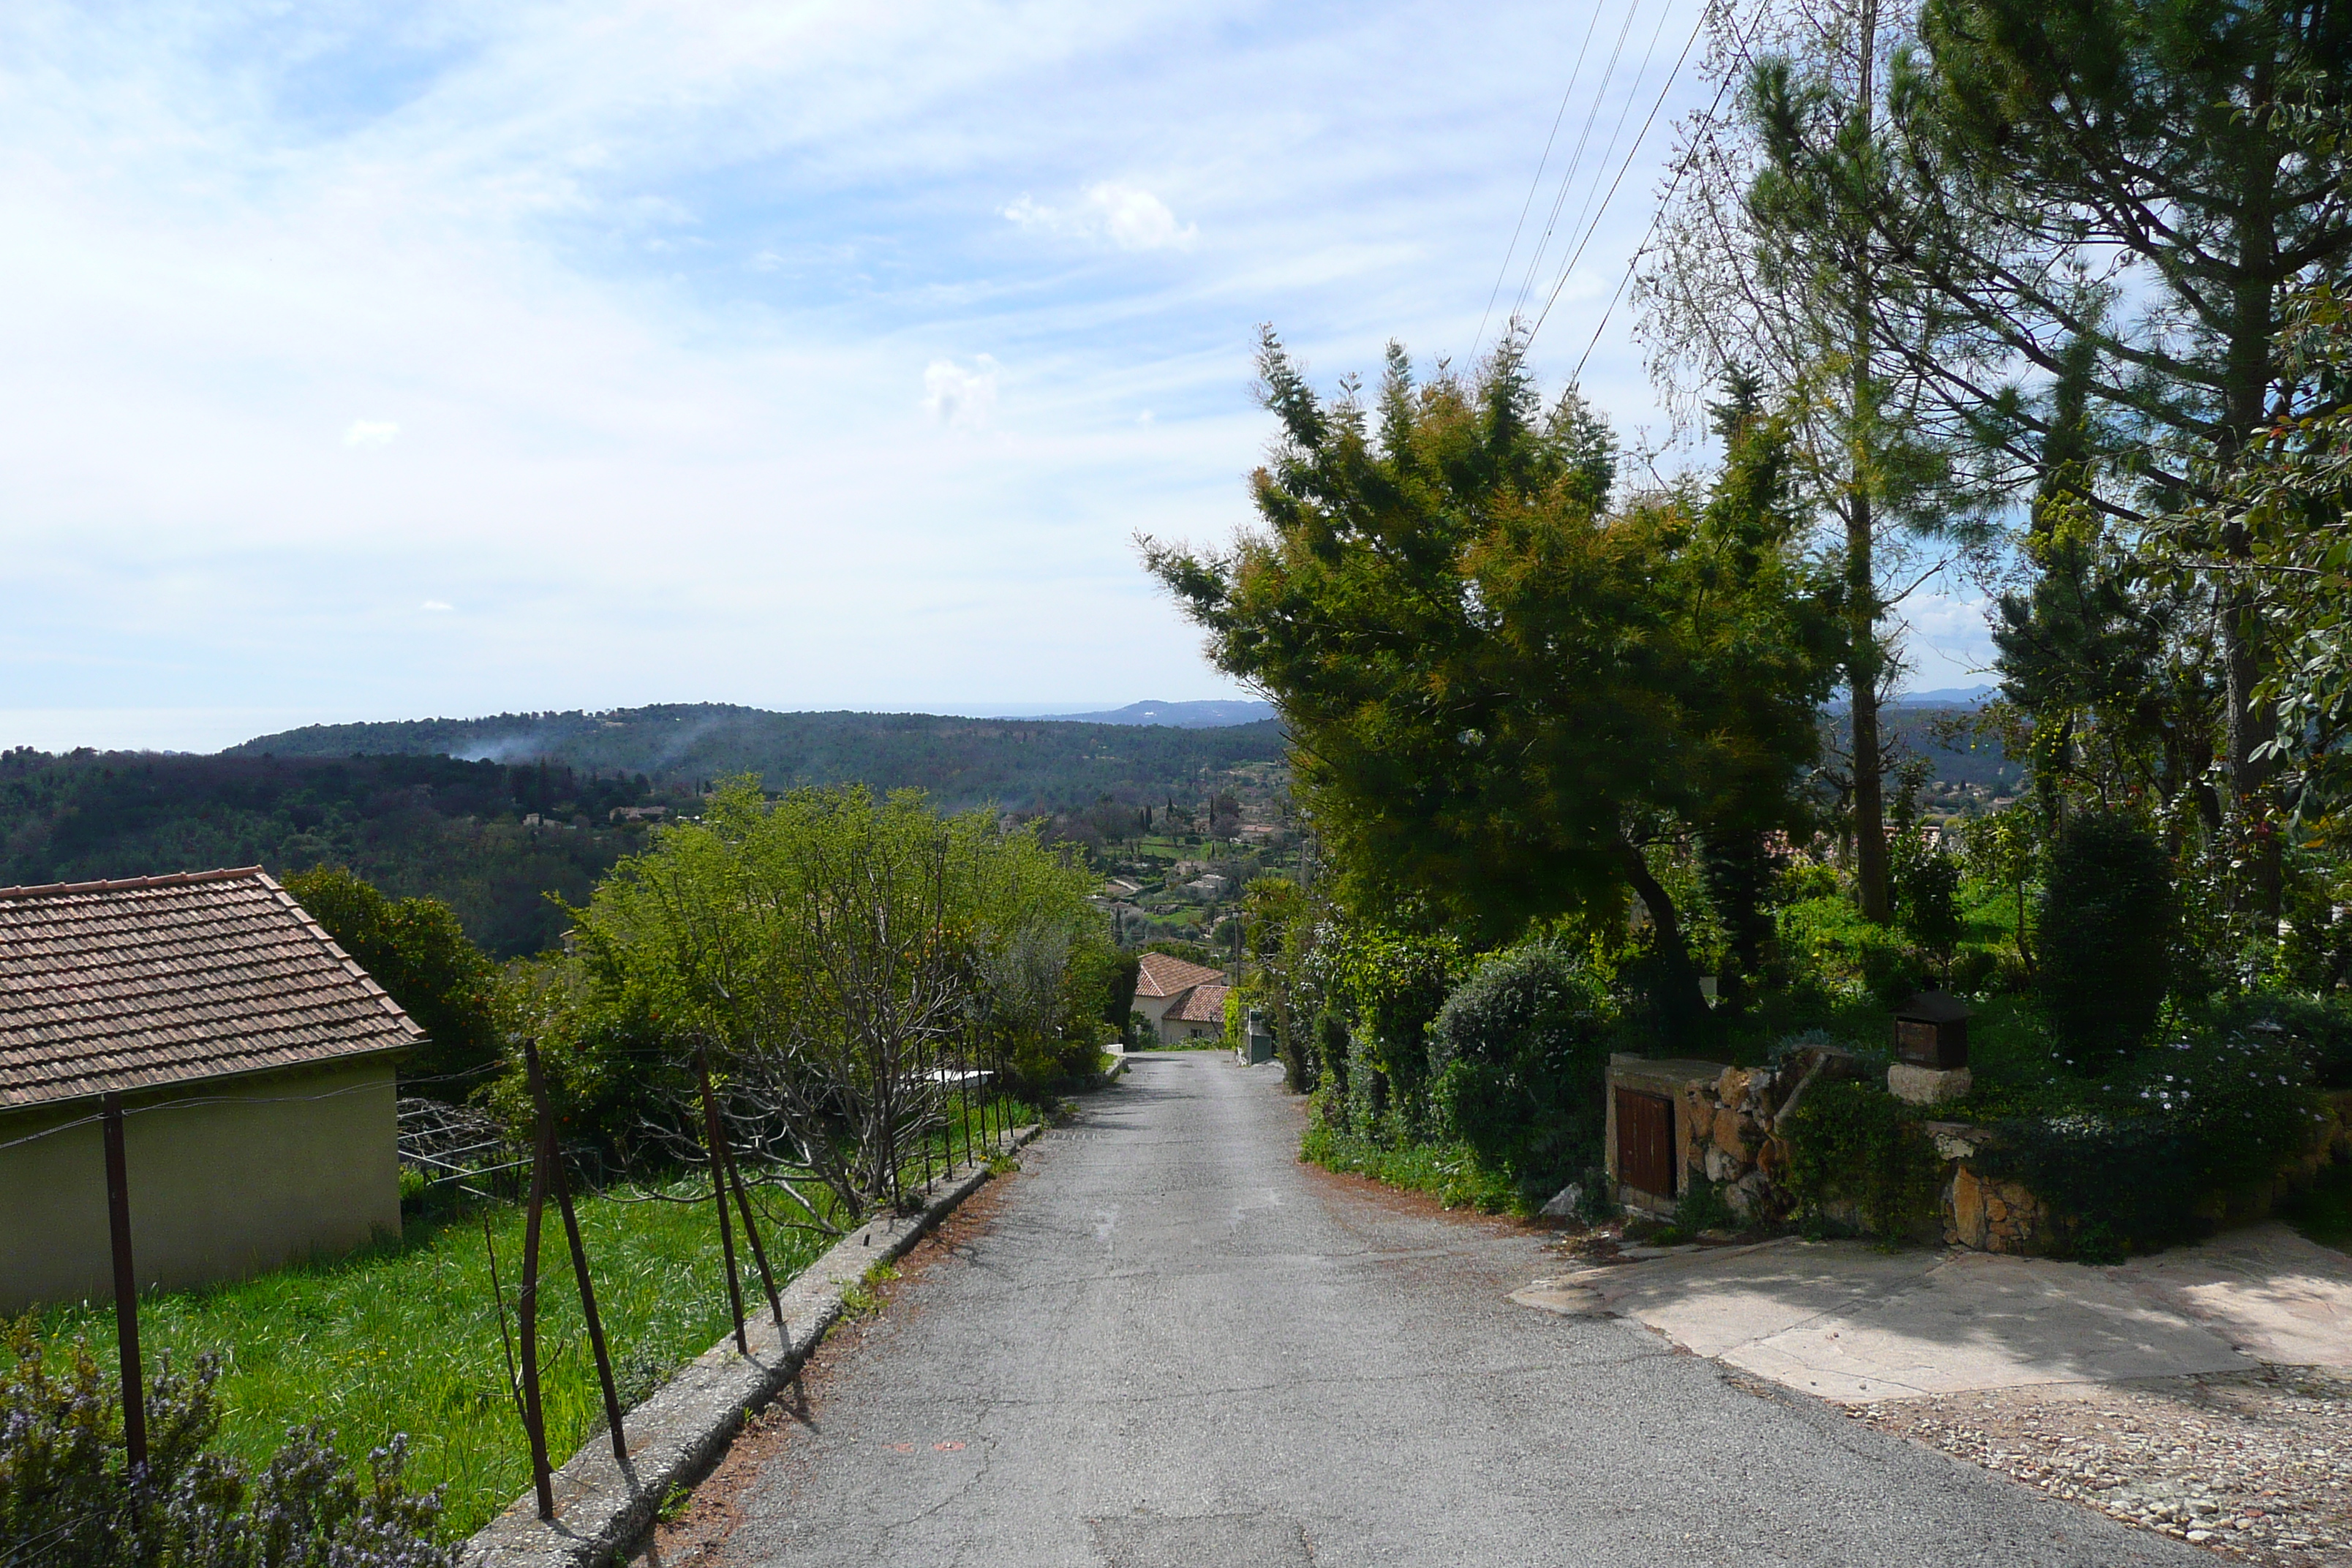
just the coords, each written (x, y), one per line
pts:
(1017, 764)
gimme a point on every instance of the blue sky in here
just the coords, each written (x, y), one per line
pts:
(376, 360)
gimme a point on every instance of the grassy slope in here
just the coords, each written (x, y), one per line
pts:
(403, 1337)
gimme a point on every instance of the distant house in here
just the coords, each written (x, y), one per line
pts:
(1202, 1016)
(639, 813)
(253, 1063)
(1167, 989)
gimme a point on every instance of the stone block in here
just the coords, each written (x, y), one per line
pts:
(1927, 1085)
(1731, 1135)
(1986, 1214)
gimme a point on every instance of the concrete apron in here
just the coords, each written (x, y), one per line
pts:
(1853, 1325)
(684, 1428)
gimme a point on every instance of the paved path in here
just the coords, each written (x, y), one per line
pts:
(1175, 1347)
(1846, 1322)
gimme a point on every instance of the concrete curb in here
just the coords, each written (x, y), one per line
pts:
(679, 1433)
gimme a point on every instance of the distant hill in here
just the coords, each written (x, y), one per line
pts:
(492, 841)
(1945, 697)
(1018, 764)
(1209, 715)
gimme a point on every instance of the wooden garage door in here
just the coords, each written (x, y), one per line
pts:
(1645, 1142)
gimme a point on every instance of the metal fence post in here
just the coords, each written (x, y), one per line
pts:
(126, 1286)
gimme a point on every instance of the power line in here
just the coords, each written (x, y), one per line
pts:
(1584, 139)
(1534, 185)
(1615, 131)
(1673, 183)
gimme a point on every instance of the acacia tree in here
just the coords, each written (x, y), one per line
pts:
(1499, 692)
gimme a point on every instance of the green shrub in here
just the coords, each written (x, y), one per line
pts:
(418, 951)
(68, 1494)
(1447, 1171)
(1973, 970)
(1517, 1058)
(2319, 1031)
(1825, 941)
(2106, 923)
(1852, 1142)
(2154, 1154)
(1927, 905)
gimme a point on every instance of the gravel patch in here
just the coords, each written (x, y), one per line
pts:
(2256, 1466)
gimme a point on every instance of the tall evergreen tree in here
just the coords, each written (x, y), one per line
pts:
(1778, 206)
(2144, 184)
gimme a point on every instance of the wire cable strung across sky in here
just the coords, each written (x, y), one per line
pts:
(1576, 160)
(1534, 185)
(1673, 183)
(1625, 113)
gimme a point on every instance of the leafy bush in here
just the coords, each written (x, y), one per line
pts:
(2319, 1031)
(2106, 923)
(1852, 1142)
(1827, 940)
(1447, 1171)
(1927, 905)
(1517, 1058)
(68, 1496)
(2153, 1155)
(418, 951)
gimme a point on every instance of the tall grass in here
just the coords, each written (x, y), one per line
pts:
(404, 1336)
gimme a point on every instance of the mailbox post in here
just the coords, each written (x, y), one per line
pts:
(1931, 1049)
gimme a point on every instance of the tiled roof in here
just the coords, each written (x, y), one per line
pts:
(164, 980)
(1205, 1006)
(1164, 974)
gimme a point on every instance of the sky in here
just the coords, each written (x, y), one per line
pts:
(384, 361)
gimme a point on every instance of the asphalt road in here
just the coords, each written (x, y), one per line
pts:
(1176, 1347)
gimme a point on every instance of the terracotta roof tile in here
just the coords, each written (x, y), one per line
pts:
(1164, 974)
(163, 980)
(1205, 1006)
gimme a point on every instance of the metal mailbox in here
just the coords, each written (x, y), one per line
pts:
(1931, 1030)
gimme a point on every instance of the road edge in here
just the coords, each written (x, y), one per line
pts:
(683, 1429)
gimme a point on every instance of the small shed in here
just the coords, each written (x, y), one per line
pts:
(1648, 1140)
(253, 1062)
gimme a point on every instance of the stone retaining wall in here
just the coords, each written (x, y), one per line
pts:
(1729, 1125)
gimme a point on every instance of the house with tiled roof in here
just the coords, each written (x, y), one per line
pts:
(1173, 994)
(1200, 1017)
(251, 1062)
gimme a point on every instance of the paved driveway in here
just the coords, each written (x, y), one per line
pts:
(1177, 1346)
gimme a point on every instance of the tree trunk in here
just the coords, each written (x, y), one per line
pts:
(2245, 408)
(1871, 891)
(1681, 1007)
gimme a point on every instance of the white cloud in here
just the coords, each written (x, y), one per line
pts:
(957, 399)
(1128, 216)
(228, 220)
(437, 605)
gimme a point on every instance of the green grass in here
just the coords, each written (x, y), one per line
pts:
(402, 1336)
(1444, 1171)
